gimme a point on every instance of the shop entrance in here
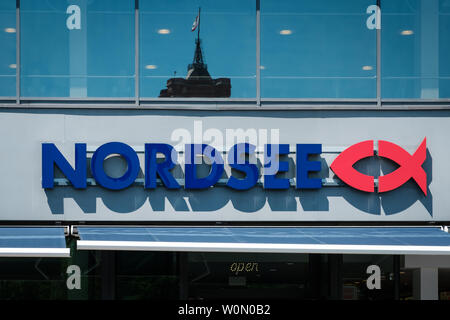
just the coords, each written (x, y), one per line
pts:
(148, 275)
(209, 276)
(285, 276)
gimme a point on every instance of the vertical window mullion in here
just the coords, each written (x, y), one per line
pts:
(258, 53)
(136, 52)
(379, 59)
(17, 52)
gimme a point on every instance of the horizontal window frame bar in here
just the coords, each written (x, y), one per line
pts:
(223, 104)
(75, 99)
(396, 100)
(197, 99)
(184, 107)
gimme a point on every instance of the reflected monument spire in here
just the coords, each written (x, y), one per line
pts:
(198, 81)
(197, 69)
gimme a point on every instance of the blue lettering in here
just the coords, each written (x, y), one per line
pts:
(237, 159)
(51, 157)
(162, 169)
(251, 170)
(190, 174)
(115, 148)
(304, 166)
(272, 166)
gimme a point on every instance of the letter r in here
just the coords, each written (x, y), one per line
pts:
(162, 169)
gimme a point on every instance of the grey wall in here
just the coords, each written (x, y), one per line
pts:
(23, 131)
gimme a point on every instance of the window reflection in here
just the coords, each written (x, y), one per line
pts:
(146, 275)
(309, 49)
(415, 49)
(317, 49)
(248, 276)
(32, 279)
(177, 61)
(8, 48)
(355, 277)
(81, 49)
(444, 284)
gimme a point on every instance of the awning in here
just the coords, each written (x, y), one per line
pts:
(33, 242)
(345, 240)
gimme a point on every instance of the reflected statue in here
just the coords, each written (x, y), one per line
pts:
(198, 82)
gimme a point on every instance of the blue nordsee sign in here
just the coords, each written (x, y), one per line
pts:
(77, 176)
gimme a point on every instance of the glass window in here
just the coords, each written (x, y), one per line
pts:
(415, 49)
(250, 276)
(444, 284)
(406, 284)
(410, 286)
(46, 278)
(85, 49)
(32, 279)
(146, 275)
(173, 63)
(8, 48)
(91, 277)
(317, 49)
(355, 275)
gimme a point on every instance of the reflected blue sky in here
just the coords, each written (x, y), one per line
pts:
(8, 48)
(325, 51)
(228, 34)
(309, 48)
(415, 49)
(96, 60)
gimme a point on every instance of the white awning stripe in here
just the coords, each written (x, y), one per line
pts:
(260, 247)
(35, 252)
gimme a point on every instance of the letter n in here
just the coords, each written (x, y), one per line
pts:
(51, 157)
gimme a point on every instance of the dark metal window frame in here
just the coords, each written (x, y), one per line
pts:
(257, 103)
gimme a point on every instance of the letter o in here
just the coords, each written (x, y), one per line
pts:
(115, 148)
(233, 267)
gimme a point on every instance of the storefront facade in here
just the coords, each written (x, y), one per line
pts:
(342, 145)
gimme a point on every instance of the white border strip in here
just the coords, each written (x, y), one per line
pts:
(260, 247)
(35, 252)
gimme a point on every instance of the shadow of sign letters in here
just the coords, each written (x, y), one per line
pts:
(249, 201)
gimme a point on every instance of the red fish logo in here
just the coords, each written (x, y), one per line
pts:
(410, 166)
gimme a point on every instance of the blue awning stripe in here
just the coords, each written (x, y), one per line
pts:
(357, 236)
(33, 242)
